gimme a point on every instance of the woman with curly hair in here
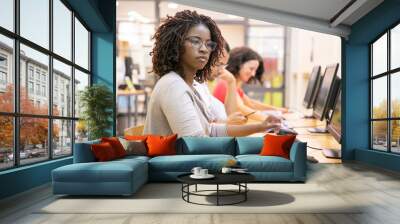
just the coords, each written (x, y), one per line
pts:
(244, 63)
(186, 46)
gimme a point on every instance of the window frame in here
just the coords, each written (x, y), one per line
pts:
(388, 74)
(16, 115)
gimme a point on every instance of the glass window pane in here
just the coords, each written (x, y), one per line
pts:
(379, 135)
(7, 14)
(6, 74)
(81, 45)
(395, 95)
(6, 142)
(379, 98)
(395, 138)
(81, 81)
(62, 89)
(33, 139)
(81, 132)
(379, 56)
(62, 141)
(395, 47)
(62, 29)
(35, 21)
(34, 97)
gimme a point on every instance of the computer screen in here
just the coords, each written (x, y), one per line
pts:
(312, 87)
(335, 123)
(325, 95)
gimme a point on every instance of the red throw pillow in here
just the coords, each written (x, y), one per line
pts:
(103, 152)
(136, 137)
(277, 145)
(161, 145)
(116, 145)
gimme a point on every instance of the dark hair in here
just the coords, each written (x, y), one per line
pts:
(226, 46)
(257, 79)
(169, 39)
(238, 56)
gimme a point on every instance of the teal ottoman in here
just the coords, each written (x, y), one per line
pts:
(118, 177)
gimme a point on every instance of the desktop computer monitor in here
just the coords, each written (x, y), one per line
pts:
(335, 122)
(327, 92)
(312, 88)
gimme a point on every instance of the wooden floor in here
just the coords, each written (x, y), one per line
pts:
(378, 189)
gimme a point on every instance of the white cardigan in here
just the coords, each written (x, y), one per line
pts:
(175, 108)
(213, 105)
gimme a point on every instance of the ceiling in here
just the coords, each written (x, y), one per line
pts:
(325, 16)
(320, 9)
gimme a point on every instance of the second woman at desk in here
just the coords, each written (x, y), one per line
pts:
(244, 63)
(187, 45)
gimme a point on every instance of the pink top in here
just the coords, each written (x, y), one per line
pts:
(221, 88)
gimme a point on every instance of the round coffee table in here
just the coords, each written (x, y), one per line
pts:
(238, 179)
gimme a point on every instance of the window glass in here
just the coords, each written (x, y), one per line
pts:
(6, 142)
(395, 95)
(81, 131)
(379, 56)
(62, 141)
(81, 45)
(379, 98)
(62, 91)
(62, 29)
(379, 135)
(81, 81)
(34, 21)
(30, 58)
(7, 14)
(33, 140)
(395, 47)
(34, 80)
(395, 136)
(6, 74)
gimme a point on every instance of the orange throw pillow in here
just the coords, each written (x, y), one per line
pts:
(277, 145)
(116, 145)
(161, 145)
(103, 152)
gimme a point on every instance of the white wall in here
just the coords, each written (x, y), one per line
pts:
(306, 49)
(234, 34)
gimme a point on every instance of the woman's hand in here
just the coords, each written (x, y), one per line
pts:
(272, 122)
(236, 118)
(227, 76)
(284, 110)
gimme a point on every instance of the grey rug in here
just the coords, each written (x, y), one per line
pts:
(166, 198)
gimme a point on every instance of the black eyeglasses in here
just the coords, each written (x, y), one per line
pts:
(197, 43)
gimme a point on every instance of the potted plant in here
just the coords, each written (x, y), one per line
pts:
(96, 103)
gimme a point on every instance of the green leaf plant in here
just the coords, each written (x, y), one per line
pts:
(96, 103)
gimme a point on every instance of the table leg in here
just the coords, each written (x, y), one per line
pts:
(182, 188)
(196, 187)
(188, 190)
(136, 109)
(217, 194)
(129, 110)
(245, 193)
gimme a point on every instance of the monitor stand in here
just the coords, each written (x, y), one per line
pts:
(332, 153)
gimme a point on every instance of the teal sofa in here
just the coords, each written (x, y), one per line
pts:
(125, 176)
